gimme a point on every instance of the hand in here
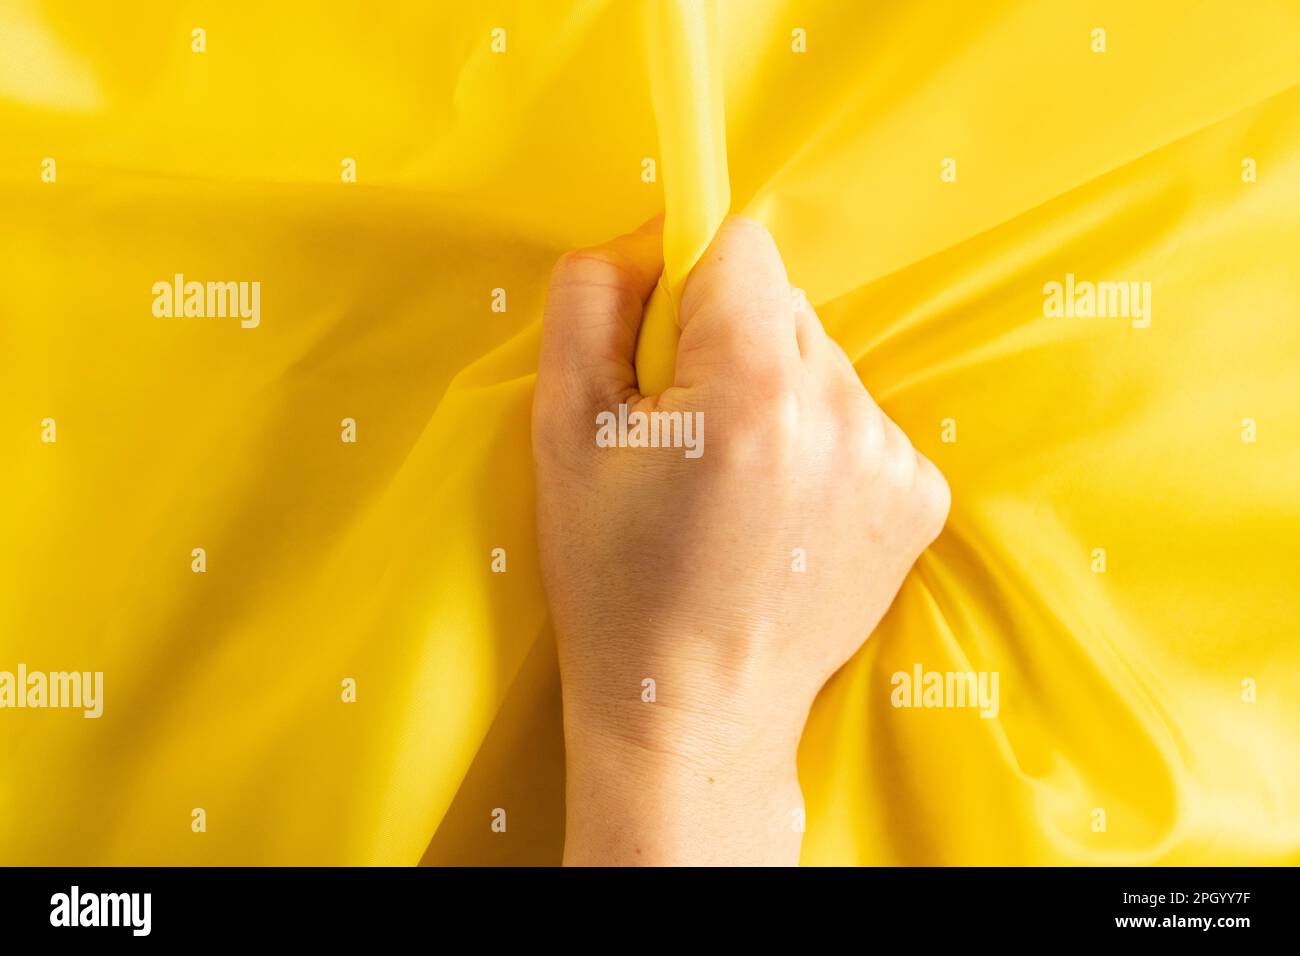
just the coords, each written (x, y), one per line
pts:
(737, 581)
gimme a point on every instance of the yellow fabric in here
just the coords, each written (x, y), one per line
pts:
(326, 560)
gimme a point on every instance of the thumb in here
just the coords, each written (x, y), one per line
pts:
(737, 314)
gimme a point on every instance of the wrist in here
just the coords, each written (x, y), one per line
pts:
(661, 790)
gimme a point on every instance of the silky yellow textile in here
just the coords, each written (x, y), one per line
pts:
(1163, 691)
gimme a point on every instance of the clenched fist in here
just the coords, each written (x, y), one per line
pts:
(712, 554)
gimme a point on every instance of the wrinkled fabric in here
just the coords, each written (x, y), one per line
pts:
(1123, 690)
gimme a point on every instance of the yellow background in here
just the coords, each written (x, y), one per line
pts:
(327, 560)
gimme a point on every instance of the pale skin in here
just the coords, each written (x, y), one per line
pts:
(682, 571)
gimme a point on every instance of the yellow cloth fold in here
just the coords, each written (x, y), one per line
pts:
(686, 89)
(927, 169)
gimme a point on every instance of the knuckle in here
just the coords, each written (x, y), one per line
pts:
(863, 436)
(588, 267)
(900, 458)
(743, 234)
(742, 443)
(934, 497)
(566, 268)
(741, 451)
(784, 414)
(775, 388)
(903, 469)
(765, 436)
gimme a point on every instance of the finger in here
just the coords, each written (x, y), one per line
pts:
(736, 311)
(593, 311)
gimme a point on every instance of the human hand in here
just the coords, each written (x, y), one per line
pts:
(737, 581)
